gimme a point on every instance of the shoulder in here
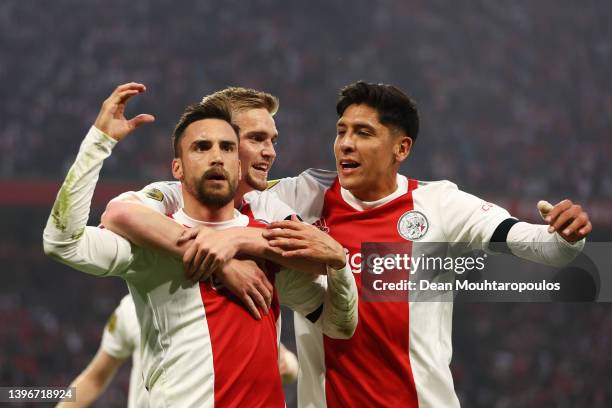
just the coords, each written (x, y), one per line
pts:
(319, 177)
(437, 185)
(159, 189)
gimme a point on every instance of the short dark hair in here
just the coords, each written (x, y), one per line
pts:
(394, 107)
(213, 109)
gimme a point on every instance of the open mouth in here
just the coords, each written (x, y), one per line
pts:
(215, 175)
(261, 166)
(349, 164)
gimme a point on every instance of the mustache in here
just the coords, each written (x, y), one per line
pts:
(216, 172)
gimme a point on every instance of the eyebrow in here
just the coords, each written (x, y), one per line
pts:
(358, 125)
(260, 133)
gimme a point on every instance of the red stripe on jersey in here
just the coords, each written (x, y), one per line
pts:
(372, 369)
(245, 352)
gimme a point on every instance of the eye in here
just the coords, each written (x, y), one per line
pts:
(228, 147)
(201, 146)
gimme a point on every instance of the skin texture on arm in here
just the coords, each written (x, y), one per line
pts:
(92, 382)
(145, 227)
(210, 249)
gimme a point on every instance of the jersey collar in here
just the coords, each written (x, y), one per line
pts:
(359, 205)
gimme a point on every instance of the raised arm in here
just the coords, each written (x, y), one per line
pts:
(66, 237)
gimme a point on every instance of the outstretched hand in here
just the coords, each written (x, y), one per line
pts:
(568, 219)
(111, 119)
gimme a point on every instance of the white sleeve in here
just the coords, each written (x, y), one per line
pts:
(121, 331)
(165, 197)
(305, 193)
(66, 237)
(330, 302)
(534, 243)
(468, 221)
(266, 206)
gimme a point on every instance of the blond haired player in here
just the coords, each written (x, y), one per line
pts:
(400, 353)
(198, 347)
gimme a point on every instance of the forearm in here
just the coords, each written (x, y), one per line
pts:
(66, 237)
(87, 392)
(92, 382)
(339, 316)
(144, 227)
(533, 242)
(70, 211)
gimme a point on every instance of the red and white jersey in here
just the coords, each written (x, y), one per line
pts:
(199, 347)
(301, 292)
(121, 339)
(166, 197)
(401, 351)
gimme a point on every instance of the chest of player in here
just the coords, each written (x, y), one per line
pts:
(404, 221)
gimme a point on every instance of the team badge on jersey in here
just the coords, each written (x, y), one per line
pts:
(413, 225)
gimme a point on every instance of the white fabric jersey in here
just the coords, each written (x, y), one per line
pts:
(199, 348)
(328, 301)
(401, 351)
(121, 339)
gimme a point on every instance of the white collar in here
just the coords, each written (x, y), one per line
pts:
(359, 205)
(239, 220)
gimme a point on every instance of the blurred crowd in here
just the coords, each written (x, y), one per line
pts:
(514, 97)
(514, 100)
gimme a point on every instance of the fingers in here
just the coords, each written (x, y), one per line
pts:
(557, 210)
(130, 85)
(544, 207)
(118, 98)
(266, 292)
(258, 298)
(187, 235)
(269, 288)
(250, 305)
(294, 225)
(140, 120)
(288, 244)
(586, 230)
(281, 233)
(297, 253)
(580, 222)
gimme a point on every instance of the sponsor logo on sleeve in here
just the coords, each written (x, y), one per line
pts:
(272, 183)
(413, 225)
(154, 194)
(111, 325)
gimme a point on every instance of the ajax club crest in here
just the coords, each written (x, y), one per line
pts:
(413, 225)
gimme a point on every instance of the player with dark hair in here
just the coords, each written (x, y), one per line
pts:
(198, 346)
(401, 351)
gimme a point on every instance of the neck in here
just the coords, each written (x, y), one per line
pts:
(243, 188)
(382, 190)
(196, 210)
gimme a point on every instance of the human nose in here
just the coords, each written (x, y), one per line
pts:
(347, 142)
(269, 151)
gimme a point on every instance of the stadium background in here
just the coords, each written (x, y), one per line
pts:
(516, 105)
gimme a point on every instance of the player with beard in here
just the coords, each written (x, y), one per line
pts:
(252, 111)
(400, 353)
(193, 347)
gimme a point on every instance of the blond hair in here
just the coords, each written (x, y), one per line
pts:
(241, 99)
